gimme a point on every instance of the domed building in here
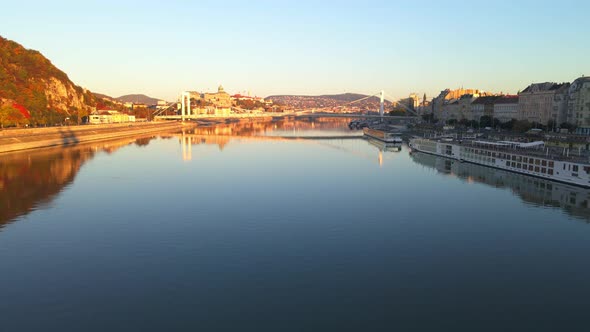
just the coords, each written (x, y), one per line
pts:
(218, 103)
(221, 99)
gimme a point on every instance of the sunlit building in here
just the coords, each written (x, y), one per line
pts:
(578, 104)
(535, 103)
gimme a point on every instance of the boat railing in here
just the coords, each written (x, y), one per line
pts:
(549, 153)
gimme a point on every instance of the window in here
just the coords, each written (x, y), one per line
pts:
(551, 164)
(514, 158)
(518, 165)
(513, 164)
(537, 162)
(531, 168)
(524, 167)
(507, 164)
(550, 171)
(544, 170)
(575, 168)
(544, 163)
(519, 159)
(525, 160)
(537, 169)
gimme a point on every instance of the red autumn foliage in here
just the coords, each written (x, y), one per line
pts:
(22, 110)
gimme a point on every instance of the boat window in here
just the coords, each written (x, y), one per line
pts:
(543, 170)
(551, 164)
(524, 167)
(531, 168)
(537, 169)
(544, 163)
(507, 164)
(526, 160)
(513, 164)
(575, 168)
(587, 169)
(564, 167)
(519, 165)
(514, 158)
(537, 162)
(550, 172)
(519, 159)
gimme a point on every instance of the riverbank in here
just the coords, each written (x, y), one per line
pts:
(34, 138)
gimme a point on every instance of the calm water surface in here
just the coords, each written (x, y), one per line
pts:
(252, 227)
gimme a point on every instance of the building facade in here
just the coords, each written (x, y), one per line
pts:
(535, 103)
(465, 106)
(218, 103)
(483, 106)
(578, 104)
(506, 108)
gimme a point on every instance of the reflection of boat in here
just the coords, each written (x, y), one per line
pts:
(383, 135)
(384, 146)
(573, 200)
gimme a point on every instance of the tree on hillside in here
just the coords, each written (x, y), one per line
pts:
(10, 116)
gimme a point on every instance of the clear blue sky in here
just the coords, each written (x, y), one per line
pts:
(305, 47)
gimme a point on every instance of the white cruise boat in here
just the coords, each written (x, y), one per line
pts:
(532, 158)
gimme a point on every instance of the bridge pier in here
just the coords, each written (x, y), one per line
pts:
(185, 105)
(382, 104)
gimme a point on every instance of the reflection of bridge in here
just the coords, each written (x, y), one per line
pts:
(189, 139)
(229, 116)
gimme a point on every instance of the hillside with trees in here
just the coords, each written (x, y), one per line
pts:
(34, 92)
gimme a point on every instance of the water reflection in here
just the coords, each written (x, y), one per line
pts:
(329, 132)
(32, 179)
(539, 192)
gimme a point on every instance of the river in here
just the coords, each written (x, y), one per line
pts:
(290, 225)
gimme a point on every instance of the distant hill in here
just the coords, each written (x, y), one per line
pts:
(323, 101)
(102, 96)
(34, 91)
(139, 99)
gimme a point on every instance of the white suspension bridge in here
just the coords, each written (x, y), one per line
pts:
(186, 112)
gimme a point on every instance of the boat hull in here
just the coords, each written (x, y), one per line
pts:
(560, 169)
(382, 135)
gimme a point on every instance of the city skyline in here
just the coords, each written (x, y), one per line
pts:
(305, 48)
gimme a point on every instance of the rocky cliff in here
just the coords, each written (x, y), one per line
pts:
(33, 90)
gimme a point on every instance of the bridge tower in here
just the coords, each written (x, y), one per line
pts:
(381, 106)
(185, 104)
